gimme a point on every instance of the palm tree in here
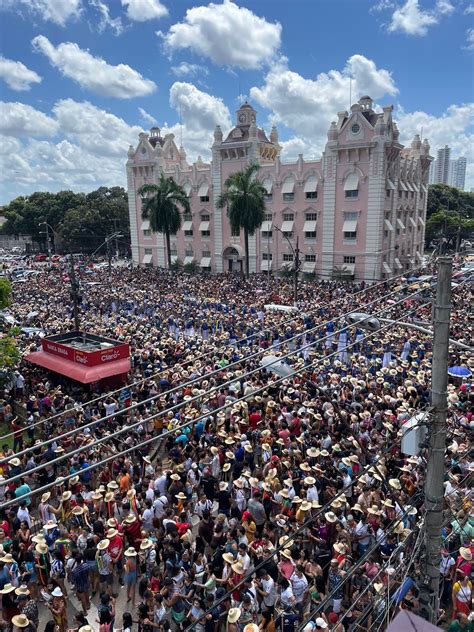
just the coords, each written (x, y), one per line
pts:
(161, 206)
(244, 196)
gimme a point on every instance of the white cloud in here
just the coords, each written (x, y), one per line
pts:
(469, 9)
(226, 34)
(307, 106)
(91, 150)
(16, 75)
(143, 10)
(57, 11)
(93, 73)
(105, 21)
(185, 69)
(100, 132)
(200, 113)
(470, 39)
(444, 7)
(455, 128)
(412, 20)
(19, 119)
(147, 118)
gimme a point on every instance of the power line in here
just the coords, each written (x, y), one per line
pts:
(193, 399)
(204, 355)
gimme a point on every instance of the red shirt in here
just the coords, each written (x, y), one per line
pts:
(254, 419)
(116, 547)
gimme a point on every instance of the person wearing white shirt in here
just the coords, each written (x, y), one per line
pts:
(242, 556)
(267, 589)
(161, 483)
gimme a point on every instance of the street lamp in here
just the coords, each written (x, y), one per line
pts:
(48, 243)
(296, 263)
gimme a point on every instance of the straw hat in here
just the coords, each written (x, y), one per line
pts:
(313, 452)
(238, 568)
(130, 552)
(42, 549)
(66, 496)
(21, 621)
(15, 462)
(330, 516)
(228, 557)
(97, 496)
(57, 592)
(226, 467)
(251, 627)
(103, 544)
(112, 485)
(175, 477)
(78, 511)
(465, 553)
(86, 628)
(130, 519)
(305, 506)
(8, 588)
(22, 590)
(286, 553)
(109, 497)
(309, 480)
(50, 525)
(45, 497)
(378, 587)
(181, 496)
(238, 483)
(111, 533)
(395, 483)
(232, 617)
(146, 544)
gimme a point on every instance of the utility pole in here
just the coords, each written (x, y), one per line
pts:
(296, 271)
(108, 241)
(74, 294)
(435, 472)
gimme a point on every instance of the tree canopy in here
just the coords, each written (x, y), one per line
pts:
(450, 213)
(9, 353)
(76, 218)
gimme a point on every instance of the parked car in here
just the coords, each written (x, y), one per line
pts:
(40, 257)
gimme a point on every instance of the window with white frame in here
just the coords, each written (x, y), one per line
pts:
(288, 217)
(311, 195)
(288, 197)
(287, 256)
(311, 217)
(188, 233)
(148, 251)
(205, 233)
(206, 253)
(352, 193)
(267, 256)
(310, 258)
(204, 199)
(147, 233)
(350, 235)
(267, 234)
(349, 259)
(205, 217)
(235, 232)
(268, 217)
(187, 217)
(310, 234)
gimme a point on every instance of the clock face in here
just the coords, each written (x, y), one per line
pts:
(355, 128)
(242, 118)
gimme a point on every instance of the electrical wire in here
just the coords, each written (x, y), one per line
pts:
(195, 398)
(235, 363)
(204, 355)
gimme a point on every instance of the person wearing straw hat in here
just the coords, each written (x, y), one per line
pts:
(20, 623)
(232, 620)
(104, 567)
(130, 573)
(9, 603)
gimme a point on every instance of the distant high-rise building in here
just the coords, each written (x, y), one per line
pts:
(458, 173)
(432, 174)
(442, 165)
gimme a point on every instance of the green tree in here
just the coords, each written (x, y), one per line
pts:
(449, 226)
(161, 206)
(192, 267)
(9, 353)
(244, 196)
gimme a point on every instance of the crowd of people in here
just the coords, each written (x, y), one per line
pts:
(259, 500)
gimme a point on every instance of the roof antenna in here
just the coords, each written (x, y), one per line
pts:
(181, 124)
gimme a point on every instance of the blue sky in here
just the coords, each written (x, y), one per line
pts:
(79, 79)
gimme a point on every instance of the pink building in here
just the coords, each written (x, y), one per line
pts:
(358, 212)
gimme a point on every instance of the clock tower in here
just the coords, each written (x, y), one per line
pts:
(246, 115)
